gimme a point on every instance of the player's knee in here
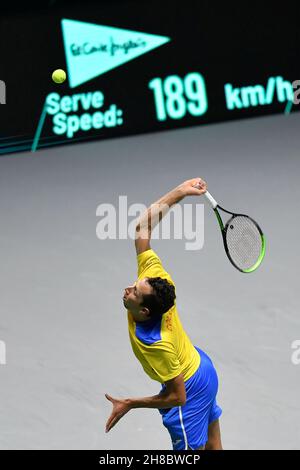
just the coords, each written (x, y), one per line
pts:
(214, 436)
(199, 448)
(213, 444)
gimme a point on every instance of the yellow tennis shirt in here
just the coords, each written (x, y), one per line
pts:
(162, 346)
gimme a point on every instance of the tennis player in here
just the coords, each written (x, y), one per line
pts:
(189, 382)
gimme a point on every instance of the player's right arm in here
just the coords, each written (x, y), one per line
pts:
(153, 215)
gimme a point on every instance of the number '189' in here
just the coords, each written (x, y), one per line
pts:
(175, 96)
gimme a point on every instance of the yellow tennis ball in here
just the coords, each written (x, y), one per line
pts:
(59, 76)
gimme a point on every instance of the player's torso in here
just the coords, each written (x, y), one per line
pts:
(167, 334)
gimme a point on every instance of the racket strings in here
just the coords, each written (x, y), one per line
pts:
(244, 241)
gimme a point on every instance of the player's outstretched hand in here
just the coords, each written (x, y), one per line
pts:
(120, 408)
(193, 187)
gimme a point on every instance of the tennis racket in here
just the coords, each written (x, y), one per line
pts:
(243, 239)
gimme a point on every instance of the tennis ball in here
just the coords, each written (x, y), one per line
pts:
(59, 76)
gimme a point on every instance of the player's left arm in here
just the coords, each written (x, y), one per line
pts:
(173, 395)
(153, 215)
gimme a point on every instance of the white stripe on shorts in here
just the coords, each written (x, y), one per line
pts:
(183, 430)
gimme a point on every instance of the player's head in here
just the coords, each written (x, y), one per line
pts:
(149, 298)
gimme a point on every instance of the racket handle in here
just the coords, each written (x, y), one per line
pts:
(212, 201)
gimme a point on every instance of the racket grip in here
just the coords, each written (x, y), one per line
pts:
(212, 201)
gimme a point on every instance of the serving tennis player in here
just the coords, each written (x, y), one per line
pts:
(189, 382)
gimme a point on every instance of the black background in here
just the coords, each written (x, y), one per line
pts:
(243, 46)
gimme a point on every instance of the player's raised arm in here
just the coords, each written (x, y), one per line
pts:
(150, 218)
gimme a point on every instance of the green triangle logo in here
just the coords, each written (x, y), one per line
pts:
(92, 50)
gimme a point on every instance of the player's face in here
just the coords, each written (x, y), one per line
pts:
(133, 295)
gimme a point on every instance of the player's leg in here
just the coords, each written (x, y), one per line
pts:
(189, 425)
(214, 436)
(213, 411)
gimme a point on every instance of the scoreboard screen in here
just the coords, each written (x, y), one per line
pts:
(135, 67)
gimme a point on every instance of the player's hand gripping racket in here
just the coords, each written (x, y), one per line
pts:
(243, 239)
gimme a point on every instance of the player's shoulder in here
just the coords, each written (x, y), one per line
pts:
(150, 265)
(148, 255)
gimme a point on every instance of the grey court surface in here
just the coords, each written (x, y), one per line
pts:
(62, 317)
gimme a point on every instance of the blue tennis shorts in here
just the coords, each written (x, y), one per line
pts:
(188, 424)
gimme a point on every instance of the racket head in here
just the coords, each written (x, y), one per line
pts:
(244, 242)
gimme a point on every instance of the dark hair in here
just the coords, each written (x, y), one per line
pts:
(162, 299)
